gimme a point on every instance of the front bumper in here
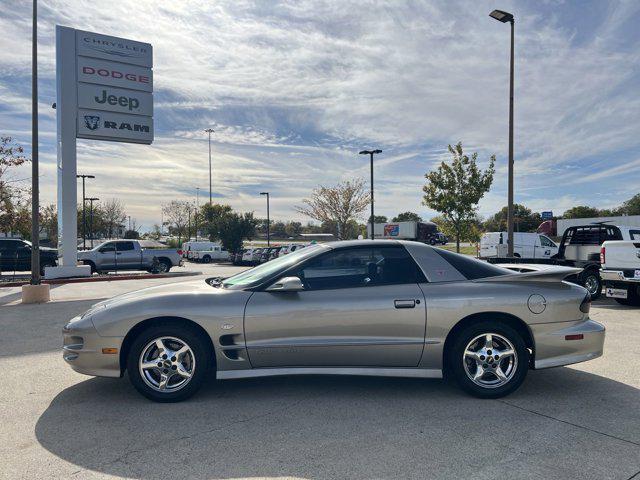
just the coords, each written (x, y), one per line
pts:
(82, 349)
(552, 349)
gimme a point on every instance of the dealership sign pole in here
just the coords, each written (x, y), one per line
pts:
(104, 92)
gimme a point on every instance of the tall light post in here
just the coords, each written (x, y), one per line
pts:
(35, 186)
(197, 209)
(505, 17)
(84, 217)
(268, 220)
(91, 200)
(371, 153)
(209, 131)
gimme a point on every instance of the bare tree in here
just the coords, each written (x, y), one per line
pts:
(113, 216)
(11, 195)
(176, 214)
(340, 204)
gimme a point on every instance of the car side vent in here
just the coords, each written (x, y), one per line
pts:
(233, 353)
(231, 340)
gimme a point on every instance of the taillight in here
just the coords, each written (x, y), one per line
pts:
(602, 256)
(585, 306)
(179, 252)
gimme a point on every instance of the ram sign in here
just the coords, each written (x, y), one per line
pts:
(114, 79)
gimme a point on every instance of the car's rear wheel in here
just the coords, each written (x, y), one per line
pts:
(163, 266)
(206, 259)
(168, 363)
(489, 359)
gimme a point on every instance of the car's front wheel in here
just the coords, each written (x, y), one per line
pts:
(168, 363)
(489, 359)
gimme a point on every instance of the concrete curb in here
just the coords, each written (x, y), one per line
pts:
(103, 278)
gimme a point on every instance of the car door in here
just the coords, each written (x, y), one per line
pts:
(361, 306)
(9, 255)
(106, 258)
(127, 256)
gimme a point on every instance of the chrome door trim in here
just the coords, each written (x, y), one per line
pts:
(366, 371)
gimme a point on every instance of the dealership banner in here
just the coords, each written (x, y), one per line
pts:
(114, 96)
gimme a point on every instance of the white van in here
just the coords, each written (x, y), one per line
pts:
(525, 245)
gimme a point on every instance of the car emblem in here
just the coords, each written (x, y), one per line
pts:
(92, 122)
(227, 326)
(638, 254)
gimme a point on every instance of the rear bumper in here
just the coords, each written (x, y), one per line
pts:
(82, 349)
(554, 350)
(617, 276)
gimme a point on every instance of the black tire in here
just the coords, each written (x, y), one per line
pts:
(456, 360)
(199, 347)
(432, 241)
(206, 259)
(93, 267)
(163, 266)
(592, 282)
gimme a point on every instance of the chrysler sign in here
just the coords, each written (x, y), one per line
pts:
(114, 88)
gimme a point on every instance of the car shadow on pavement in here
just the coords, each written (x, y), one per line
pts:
(562, 423)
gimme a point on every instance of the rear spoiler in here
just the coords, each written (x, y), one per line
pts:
(556, 274)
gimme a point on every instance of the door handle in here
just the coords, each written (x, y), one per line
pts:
(404, 303)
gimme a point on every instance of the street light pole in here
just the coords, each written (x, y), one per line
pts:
(91, 200)
(197, 209)
(505, 17)
(210, 131)
(35, 187)
(268, 220)
(372, 220)
(84, 217)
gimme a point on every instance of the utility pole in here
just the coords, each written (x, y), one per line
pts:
(84, 217)
(210, 131)
(371, 153)
(35, 185)
(197, 209)
(91, 200)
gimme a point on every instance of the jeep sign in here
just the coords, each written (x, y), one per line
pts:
(116, 126)
(100, 97)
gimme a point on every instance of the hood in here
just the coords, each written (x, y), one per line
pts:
(191, 287)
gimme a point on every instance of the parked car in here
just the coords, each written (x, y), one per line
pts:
(265, 256)
(580, 247)
(15, 255)
(275, 253)
(525, 245)
(354, 307)
(129, 255)
(292, 247)
(192, 246)
(214, 253)
(620, 260)
(236, 257)
(438, 238)
(251, 256)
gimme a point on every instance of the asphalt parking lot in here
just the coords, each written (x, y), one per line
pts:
(579, 422)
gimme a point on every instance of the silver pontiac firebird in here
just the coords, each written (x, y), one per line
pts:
(389, 308)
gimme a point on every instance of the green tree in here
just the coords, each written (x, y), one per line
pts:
(293, 229)
(631, 206)
(407, 217)
(471, 231)
(524, 220)
(340, 205)
(377, 219)
(234, 227)
(455, 189)
(581, 211)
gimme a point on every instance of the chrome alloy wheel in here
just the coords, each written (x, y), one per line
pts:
(490, 360)
(167, 364)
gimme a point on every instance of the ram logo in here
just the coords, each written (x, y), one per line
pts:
(92, 122)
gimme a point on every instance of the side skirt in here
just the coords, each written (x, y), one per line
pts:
(375, 372)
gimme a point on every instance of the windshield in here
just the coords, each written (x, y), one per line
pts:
(263, 272)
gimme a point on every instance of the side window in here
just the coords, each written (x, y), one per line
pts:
(108, 247)
(359, 267)
(125, 246)
(8, 246)
(545, 242)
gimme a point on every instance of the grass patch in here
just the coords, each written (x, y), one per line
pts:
(466, 250)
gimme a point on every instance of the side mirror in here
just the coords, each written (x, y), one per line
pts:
(287, 284)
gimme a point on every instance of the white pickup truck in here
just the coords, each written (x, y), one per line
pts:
(620, 270)
(129, 255)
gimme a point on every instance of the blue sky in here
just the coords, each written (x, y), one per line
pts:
(295, 89)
